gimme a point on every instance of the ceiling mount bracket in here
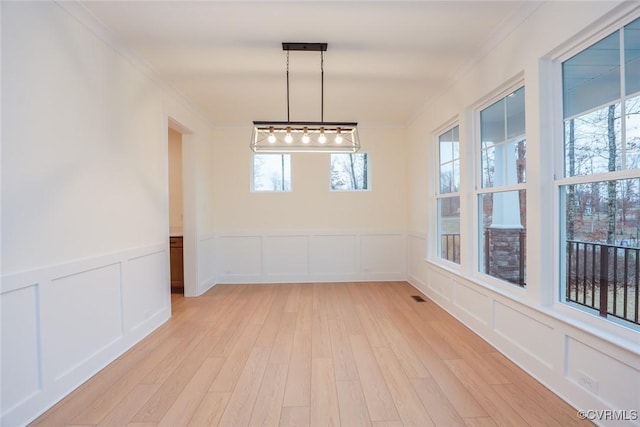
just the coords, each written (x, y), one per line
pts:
(309, 47)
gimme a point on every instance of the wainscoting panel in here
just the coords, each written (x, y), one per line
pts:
(441, 284)
(310, 257)
(240, 257)
(143, 297)
(63, 323)
(207, 256)
(333, 255)
(21, 374)
(286, 256)
(416, 253)
(383, 254)
(472, 303)
(81, 314)
(586, 370)
(511, 323)
(600, 374)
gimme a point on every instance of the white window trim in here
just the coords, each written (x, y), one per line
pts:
(493, 283)
(609, 329)
(433, 244)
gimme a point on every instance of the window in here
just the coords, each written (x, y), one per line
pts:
(600, 186)
(448, 196)
(271, 172)
(502, 195)
(349, 172)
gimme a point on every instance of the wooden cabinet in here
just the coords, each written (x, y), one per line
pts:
(177, 264)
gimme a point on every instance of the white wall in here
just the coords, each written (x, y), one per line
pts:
(175, 182)
(84, 202)
(562, 347)
(311, 233)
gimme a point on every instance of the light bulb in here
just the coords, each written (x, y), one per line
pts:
(272, 137)
(305, 137)
(288, 139)
(322, 139)
(338, 137)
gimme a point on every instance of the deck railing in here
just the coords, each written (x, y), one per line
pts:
(450, 247)
(605, 278)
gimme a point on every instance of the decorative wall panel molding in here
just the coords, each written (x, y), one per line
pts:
(310, 257)
(80, 316)
(585, 370)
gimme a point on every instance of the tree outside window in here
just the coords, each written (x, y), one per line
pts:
(271, 172)
(448, 195)
(349, 172)
(600, 186)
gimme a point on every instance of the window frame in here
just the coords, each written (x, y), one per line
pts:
(500, 285)
(561, 179)
(252, 178)
(438, 195)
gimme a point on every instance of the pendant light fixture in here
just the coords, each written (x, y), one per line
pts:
(310, 137)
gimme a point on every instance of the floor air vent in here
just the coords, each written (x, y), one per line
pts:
(418, 298)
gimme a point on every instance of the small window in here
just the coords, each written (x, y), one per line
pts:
(502, 201)
(349, 172)
(271, 172)
(448, 196)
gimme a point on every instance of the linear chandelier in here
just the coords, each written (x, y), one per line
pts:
(308, 137)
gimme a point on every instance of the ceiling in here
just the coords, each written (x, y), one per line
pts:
(384, 60)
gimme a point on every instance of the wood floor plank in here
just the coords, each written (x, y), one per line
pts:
(353, 407)
(295, 416)
(480, 422)
(436, 403)
(305, 310)
(320, 337)
(455, 391)
(343, 363)
(527, 385)
(379, 401)
(210, 409)
(172, 387)
(406, 356)
(324, 407)
(298, 386)
(283, 342)
(130, 405)
(234, 364)
(108, 400)
(300, 354)
(501, 412)
(81, 398)
(407, 402)
(240, 406)
(266, 411)
(183, 408)
(534, 413)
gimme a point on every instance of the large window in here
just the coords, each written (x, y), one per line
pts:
(448, 195)
(501, 196)
(600, 186)
(271, 172)
(349, 172)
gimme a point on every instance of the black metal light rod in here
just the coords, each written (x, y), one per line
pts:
(265, 123)
(311, 47)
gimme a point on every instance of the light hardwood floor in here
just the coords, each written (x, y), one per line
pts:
(329, 354)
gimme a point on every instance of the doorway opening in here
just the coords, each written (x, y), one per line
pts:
(176, 213)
